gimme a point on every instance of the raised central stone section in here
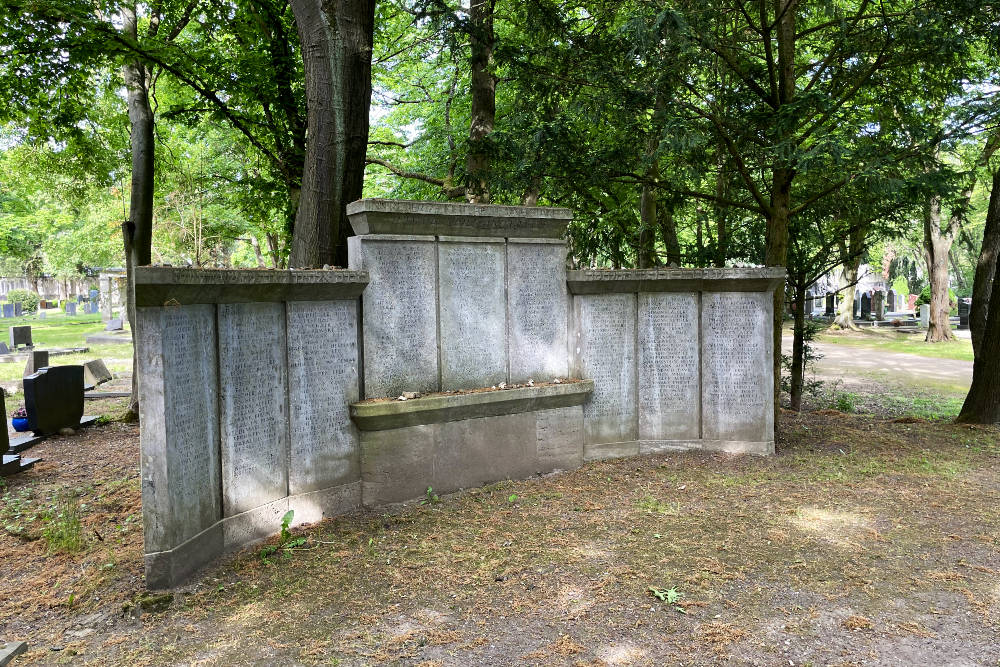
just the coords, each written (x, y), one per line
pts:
(461, 295)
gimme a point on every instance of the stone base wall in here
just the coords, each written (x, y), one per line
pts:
(680, 358)
(437, 442)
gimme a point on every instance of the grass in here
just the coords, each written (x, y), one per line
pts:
(889, 340)
(60, 331)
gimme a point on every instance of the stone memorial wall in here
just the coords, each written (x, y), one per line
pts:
(680, 358)
(264, 391)
(245, 379)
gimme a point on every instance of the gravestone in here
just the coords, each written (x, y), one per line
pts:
(95, 373)
(890, 302)
(866, 306)
(878, 305)
(925, 315)
(17, 309)
(830, 304)
(4, 437)
(71, 308)
(8, 310)
(538, 308)
(42, 314)
(37, 360)
(53, 398)
(79, 298)
(3, 348)
(810, 302)
(114, 324)
(964, 311)
(20, 336)
(857, 305)
(42, 304)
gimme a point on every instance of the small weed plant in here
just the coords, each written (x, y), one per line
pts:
(286, 544)
(430, 498)
(671, 596)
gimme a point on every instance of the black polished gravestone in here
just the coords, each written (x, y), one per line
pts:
(830, 304)
(866, 307)
(964, 311)
(53, 398)
(20, 336)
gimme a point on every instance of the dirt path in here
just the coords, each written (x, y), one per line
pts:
(839, 360)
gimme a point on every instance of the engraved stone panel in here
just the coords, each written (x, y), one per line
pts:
(669, 385)
(736, 367)
(400, 314)
(559, 438)
(538, 303)
(606, 353)
(180, 436)
(254, 412)
(473, 314)
(322, 382)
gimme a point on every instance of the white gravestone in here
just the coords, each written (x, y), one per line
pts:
(538, 309)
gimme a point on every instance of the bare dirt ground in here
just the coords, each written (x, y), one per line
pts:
(866, 540)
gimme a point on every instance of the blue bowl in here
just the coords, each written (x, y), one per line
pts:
(20, 424)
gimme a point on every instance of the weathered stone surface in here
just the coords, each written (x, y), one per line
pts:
(603, 281)
(20, 336)
(669, 366)
(8, 310)
(18, 309)
(253, 405)
(71, 308)
(400, 311)
(37, 360)
(114, 324)
(165, 286)
(473, 313)
(388, 216)
(605, 353)
(397, 464)
(559, 438)
(736, 367)
(538, 308)
(179, 439)
(95, 372)
(473, 452)
(382, 415)
(322, 382)
(53, 398)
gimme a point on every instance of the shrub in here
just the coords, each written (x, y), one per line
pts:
(27, 299)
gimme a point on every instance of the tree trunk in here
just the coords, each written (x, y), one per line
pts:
(668, 229)
(851, 254)
(646, 252)
(982, 404)
(336, 39)
(777, 255)
(138, 229)
(982, 287)
(483, 89)
(798, 345)
(937, 244)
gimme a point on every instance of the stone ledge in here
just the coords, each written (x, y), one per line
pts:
(382, 415)
(395, 216)
(606, 281)
(173, 286)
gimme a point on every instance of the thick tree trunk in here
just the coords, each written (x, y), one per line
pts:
(138, 229)
(798, 345)
(483, 89)
(937, 244)
(845, 313)
(982, 404)
(336, 39)
(982, 287)
(646, 252)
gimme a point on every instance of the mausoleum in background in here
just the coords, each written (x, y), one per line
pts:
(264, 391)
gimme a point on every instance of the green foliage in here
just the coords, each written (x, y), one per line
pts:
(900, 286)
(671, 596)
(430, 498)
(286, 542)
(27, 299)
(845, 401)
